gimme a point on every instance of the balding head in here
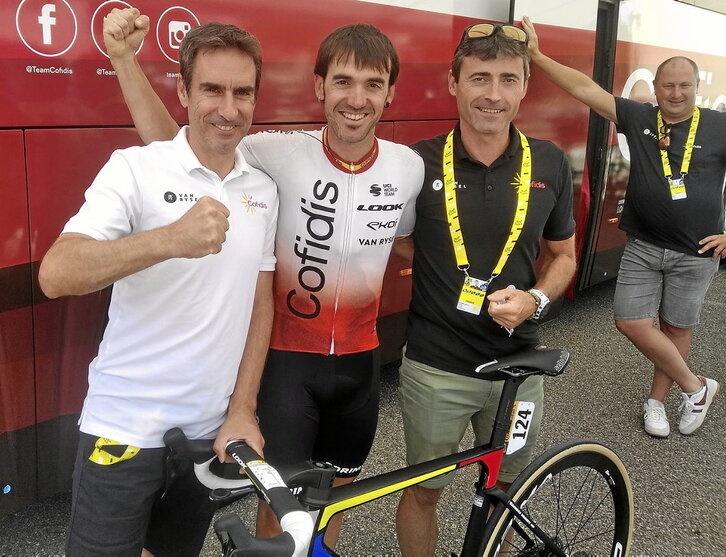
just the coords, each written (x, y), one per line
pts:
(674, 62)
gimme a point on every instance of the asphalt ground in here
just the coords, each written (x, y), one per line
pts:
(679, 483)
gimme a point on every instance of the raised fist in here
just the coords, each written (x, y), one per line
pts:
(123, 31)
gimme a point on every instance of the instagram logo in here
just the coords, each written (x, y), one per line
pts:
(171, 28)
(177, 31)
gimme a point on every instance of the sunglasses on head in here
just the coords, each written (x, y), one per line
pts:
(664, 141)
(481, 30)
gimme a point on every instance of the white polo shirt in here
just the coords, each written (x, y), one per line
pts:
(176, 330)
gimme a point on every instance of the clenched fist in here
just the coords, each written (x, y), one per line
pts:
(123, 31)
(201, 230)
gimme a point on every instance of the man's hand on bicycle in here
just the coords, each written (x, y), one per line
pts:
(240, 425)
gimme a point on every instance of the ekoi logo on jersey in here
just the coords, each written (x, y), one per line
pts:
(312, 249)
(251, 205)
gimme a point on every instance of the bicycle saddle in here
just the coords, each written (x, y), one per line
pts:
(533, 361)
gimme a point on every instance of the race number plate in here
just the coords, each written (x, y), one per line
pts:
(522, 415)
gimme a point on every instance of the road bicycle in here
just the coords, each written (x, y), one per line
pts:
(575, 499)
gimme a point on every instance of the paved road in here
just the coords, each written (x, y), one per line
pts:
(679, 482)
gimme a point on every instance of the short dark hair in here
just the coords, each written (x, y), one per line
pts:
(213, 36)
(488, 48)
(664, 63)
(368, 46)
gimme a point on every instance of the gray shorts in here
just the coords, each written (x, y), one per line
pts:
(654, 282)
(438, 405)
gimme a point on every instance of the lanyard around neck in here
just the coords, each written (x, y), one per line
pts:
(688, 151)
(522, 181)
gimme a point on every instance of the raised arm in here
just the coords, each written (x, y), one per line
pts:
(573, 81)
(78, 264)
(123, 31)
(241, 422)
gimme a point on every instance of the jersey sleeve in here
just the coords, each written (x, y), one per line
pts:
(408, 217)
(561, 224)
(112, 203)
(268, 254)
(626, 110)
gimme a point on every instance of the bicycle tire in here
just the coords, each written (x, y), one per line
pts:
(579, 493)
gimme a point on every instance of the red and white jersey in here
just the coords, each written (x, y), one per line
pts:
(335, 232)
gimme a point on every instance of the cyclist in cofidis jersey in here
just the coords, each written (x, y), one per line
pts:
(345, 195)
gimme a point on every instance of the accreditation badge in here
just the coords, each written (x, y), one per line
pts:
(678, 188)
(472, 296)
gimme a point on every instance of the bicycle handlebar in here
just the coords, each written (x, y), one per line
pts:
(296, 523)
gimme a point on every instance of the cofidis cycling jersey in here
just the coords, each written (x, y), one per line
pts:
(335, 232)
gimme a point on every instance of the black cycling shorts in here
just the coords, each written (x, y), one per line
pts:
(318, 407)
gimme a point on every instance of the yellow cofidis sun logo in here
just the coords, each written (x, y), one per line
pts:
(517, 182)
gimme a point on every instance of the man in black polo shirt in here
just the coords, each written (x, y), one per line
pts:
(674, 218)
(471, 301)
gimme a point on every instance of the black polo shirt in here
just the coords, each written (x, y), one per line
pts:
(439, 334)
(650, 213)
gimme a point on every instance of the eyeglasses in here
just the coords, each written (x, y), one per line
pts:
(664, 139)
(481, 30)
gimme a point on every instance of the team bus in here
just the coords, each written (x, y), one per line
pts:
(62, 114)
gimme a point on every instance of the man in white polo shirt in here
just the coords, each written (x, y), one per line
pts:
(184, 229)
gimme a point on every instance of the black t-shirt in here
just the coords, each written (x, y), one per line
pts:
(439, 334)
(650, 213)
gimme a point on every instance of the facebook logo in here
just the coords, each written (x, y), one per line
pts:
(47, 27)
(46, 21)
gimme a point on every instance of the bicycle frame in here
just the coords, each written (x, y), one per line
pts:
(486, 496)
(317, 505)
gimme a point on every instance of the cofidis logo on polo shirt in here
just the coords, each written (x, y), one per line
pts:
(251, 205)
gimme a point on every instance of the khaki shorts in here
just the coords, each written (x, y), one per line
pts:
(438, 405)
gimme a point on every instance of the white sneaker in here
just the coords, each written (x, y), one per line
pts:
(654, 416)
(694, 407)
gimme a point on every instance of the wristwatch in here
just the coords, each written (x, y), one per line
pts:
(542, 301)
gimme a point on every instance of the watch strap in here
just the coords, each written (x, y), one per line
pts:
(542, 302)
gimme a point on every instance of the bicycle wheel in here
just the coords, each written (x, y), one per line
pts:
(578, 493)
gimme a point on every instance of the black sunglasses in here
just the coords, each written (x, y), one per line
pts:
(481, 30)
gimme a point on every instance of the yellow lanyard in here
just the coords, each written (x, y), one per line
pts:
(689, 146)
(522, 181)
